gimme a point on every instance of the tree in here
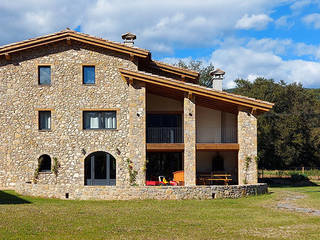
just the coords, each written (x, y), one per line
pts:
(287, 136)
(205, 78)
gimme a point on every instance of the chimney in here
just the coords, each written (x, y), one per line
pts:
(217, 78)
(128, 39)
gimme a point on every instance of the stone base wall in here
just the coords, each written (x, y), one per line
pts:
(143, 192)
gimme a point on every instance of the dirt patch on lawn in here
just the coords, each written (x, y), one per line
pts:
(287, 201)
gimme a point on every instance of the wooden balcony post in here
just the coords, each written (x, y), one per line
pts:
(189, 114)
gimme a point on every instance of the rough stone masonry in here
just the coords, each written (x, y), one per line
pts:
(22, 143)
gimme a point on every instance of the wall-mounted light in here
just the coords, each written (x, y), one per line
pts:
(118, 151)
(83, 151)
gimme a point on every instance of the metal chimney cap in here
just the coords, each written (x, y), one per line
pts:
(128, 36)
(218, 71)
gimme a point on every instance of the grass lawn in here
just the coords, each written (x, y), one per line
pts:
(247, 218)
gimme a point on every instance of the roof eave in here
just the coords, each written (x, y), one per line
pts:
(19, 46)
(257, 106)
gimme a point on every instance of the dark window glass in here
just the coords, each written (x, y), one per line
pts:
(100, 166)
(44, 75)
(44, 120)
(89, 75)
(164, 120)
(112, 167)
(44, 163)
(99, 120)
(87, 168)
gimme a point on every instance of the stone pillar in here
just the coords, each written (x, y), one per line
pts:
(247, 139)
(189, 115)
(137, 130)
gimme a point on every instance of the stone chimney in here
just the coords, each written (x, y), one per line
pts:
(128, 38)
(217, 78)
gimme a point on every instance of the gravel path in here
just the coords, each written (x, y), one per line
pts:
(288, 203)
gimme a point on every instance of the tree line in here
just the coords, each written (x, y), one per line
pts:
(288, 135)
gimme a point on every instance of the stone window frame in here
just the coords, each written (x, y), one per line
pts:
(38, 76)
(37, 119)
(95, 74)
(117, 110)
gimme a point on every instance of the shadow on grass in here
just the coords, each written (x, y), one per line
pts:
(286, 182)
(7, 198)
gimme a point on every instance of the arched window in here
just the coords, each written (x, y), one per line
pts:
(100, 169)
(44, 163)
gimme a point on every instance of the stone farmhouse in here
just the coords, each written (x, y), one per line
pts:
(86, 118)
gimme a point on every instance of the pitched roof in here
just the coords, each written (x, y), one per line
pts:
(196, 89)
(71, 35)
(68, 34)
(174, 69)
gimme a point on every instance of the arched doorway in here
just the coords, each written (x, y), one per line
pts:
(100, 169)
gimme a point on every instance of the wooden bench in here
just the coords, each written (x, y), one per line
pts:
(226, 178)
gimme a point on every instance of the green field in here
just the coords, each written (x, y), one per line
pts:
(288, 173)
(247, 218)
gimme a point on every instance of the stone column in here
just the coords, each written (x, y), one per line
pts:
(247, 139)
(189, 115)
(137, 130)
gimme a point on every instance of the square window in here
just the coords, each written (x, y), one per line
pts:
(99, 120)
(88, 75)
(44, 120)
(44, 75)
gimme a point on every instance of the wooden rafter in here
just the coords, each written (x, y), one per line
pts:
(197, 90)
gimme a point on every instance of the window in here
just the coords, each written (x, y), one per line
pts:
(44, 75)
(44, 163)
(99, 120)
(88, 73)
(44, 120)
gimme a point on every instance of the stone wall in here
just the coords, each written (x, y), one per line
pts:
(137, 130)
(247, 139)
(21, 97)
(189, 116)
(129, 193)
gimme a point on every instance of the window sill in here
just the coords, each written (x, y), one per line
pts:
(44, 85)
(45, 172)
(111, 129)
(89, 84)
(44, 130)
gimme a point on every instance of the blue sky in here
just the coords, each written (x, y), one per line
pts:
(276, 39)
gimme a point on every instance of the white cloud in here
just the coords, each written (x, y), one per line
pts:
(284, 21)
(312, 19)
(258, 22)
(303, 49)
(298, 5)
(278, 46)
(246, 63)
(163, 23)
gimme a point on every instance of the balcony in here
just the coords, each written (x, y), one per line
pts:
(217, 135)
(164, 135)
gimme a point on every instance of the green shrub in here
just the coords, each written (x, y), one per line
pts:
(298, 177)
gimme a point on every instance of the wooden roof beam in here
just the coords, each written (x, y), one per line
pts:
(7, 56)
(233, 99)
(69, 41)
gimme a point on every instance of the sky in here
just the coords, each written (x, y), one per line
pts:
(277, 39)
